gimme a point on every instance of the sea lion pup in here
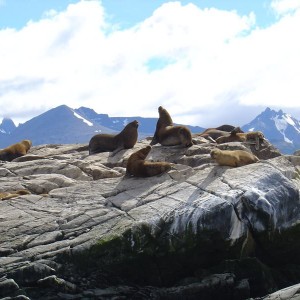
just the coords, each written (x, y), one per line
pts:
(137, 166)
(15, 150)
(126, 139)
(168, 134)
(233, 158)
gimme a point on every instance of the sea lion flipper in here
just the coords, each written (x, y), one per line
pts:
(154, 140)
(211, 139)
(116, 151)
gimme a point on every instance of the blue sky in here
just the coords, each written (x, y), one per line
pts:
(207, 62)
(16, 13)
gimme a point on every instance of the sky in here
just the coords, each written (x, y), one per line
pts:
(207, 62)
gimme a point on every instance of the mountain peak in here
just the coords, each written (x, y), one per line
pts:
(271, 113)
(89, 113)
(62, 107)
(279, 127)
(269, 110)
(63, 124)
(7, 126)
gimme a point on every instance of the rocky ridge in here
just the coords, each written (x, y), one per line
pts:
(89, 231)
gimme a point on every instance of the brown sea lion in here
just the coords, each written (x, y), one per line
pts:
(163, 121)
(226, 127)
(137, 166)
(236, 130)
(168, 134)
(237, 136)
(126, 139)
(12, 194)
(175, 135)
(233, 158)
(15, 150)
(254, 135)
(214, 133)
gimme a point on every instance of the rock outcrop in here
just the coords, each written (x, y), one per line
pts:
(201, 231)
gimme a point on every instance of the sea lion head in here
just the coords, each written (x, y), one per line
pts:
(236, 130)
(144, 152)
(255, 134)
(214, 153)
(27, 144)
(134, 124)
(186, 137)
(260, 135)
(131, 127)
(162, 111)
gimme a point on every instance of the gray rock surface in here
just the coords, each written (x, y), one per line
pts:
(86, 224)
(289, 293)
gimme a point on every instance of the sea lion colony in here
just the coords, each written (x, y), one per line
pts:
(167, 134)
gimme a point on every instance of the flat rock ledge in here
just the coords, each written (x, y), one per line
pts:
(86, 230)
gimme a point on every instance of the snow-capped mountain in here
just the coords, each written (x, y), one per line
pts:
(64, 125)
(7, 126)
(60, 125)
(116, 123)
(281, 129)
(146, 125)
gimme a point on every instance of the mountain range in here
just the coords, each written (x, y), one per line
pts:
(64, 125)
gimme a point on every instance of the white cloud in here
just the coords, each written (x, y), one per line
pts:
(203, 65)
(285, 6)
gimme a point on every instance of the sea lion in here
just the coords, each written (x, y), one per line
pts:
(236, 130)
(137, 166)
(237, 136)
(12, 194)
(126, 139)
(254, 135)
(214, 133)
(163, 121)
(211, 133)
(226, 127)
(175, 135)
(233, 158)
(15, 150)
(168, 134)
